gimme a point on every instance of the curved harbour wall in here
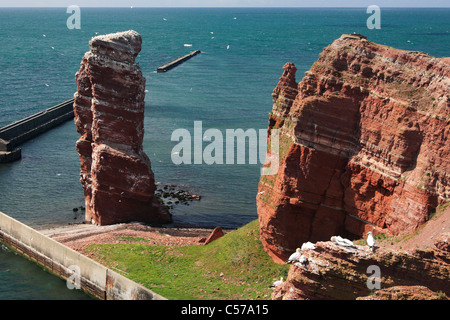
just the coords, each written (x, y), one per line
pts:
(92, 277)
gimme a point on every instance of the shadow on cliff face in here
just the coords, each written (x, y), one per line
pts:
(356, 155)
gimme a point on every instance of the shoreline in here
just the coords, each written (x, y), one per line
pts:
(79, 236)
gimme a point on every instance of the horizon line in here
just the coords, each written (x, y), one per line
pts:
(235, 7)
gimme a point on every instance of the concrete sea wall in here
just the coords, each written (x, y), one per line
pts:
(172, 64)
(92, 277)
(14, 134)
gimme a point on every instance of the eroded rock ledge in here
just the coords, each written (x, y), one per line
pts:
(333, 272)
(364, 146)
(109, 107)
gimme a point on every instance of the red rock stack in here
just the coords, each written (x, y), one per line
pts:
(109, 107)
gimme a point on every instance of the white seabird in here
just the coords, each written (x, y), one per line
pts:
(308, 245)
(370, 240)
(342, 241)
(294, 256)
(277, 283)
(303, 260)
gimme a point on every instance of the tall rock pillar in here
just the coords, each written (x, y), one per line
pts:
(109, 105)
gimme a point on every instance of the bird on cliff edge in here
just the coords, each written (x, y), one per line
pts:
(308, 246)
(303, 260)
(342, 241)
(370, 240)
(277, 283)
(294, 256)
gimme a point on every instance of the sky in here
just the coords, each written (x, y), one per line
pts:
(225, 3)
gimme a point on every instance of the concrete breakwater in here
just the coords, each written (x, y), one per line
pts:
(172, 64)
(14, 134)
(68, 264)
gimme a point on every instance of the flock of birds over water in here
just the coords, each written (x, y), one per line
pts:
(298, 257)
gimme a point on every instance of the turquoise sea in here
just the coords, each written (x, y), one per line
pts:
(227, 86)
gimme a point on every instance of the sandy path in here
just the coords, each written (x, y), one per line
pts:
(78, 236)
(425, 236)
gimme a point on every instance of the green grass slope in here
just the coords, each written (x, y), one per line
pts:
(232, 267)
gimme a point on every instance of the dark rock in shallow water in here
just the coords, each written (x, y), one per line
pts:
(171, 194)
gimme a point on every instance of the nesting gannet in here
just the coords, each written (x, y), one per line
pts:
(303, 260)
(308, 245)
(277, 283)
(342, 241)
(370, 240)
(294, 256)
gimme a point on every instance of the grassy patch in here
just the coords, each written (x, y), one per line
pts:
(285, 143)
(132, 239)
(232, 267)
(269, 180)
(441, 208)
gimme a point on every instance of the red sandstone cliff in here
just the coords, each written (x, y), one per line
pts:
(404, 267)
(364, 146)
(109, 106)
(333, 272)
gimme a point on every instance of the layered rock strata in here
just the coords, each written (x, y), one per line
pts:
(363, 146)
(116, 174)
(331, 271)
(405, 293)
